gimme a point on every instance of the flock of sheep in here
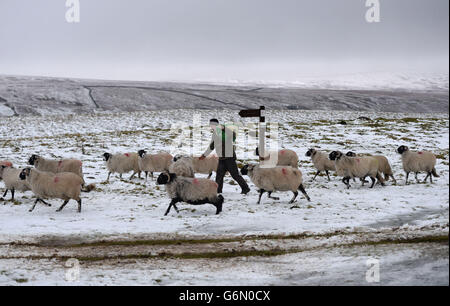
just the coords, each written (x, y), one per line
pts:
(63, 179)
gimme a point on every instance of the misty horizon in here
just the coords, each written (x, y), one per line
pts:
(220, 41)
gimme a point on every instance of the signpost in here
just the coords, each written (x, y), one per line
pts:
(262, 126)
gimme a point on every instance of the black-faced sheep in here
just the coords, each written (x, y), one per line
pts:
(279, 178)
(321, 162)
(193, 191)
(360, 167)
(122, 163)
(158, 162)
(64, 185)
(416, 162)
(13, 183)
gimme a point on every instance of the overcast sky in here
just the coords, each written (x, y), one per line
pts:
(221, 39)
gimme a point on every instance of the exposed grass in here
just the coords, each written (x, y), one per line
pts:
(245, 253)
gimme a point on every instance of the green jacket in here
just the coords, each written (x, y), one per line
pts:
(222, 141)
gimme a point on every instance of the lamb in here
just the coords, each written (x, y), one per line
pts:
(279, 178)
(286, 157)
(56, 166)
(122, 163)
(383, 163)
(321, 162)
(10, 177)
(154, 162)
(182, 166)
(193, 191)
(360, 167)
(416, 162)
(63, 185)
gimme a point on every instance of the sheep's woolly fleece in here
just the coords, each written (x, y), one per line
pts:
(131, 208)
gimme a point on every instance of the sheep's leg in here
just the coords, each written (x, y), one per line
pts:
(261, 192)
(172, 203)
(328, 175)
(373, 181)
(346, 181)
(79, 205)
(274, 198)
(109, 174)
(417, 180)
(45, 203)
(146, 176)
(34, 205)
(407, 175)
(12, 194)
(302, 189)
(295, 197)
(133, 175)
(152, 176)
(209, 176)
(393, 178)
(6, 192)
(428, 175)
(62, 206)
(317, 173)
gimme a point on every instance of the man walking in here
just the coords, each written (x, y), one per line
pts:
(222, 141)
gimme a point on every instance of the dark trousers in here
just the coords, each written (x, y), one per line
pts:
(229, 164)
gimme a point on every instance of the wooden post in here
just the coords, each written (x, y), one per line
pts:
(262, 126)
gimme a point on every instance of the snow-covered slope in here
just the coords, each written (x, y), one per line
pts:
(43, 96)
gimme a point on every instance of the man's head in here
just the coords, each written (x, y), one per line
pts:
(213, 123)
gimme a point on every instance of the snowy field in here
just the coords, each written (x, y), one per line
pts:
(132, 210)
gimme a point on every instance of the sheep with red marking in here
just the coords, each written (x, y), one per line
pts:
(195, 191)
(56, 166)
(416, 162)
(279, 178)
(360, 167)
(122, 163)
(286, 157)
(158, 162)
(6, 163)
(64, 185)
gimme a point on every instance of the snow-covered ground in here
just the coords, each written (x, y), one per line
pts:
(23, 95)
(135, 209)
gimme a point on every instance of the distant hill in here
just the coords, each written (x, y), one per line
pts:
(21, 95)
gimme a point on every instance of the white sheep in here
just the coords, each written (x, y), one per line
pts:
(416, 162)
(195, 191)
(286, 157)
(154, 162)
(384, 166)
(56, 166)
(359, 167)
(64, 185)
(321, 162)
(13, 183)
(122, 163)
(279, 178)
(182, 166)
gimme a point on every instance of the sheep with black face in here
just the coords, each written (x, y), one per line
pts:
(359, 167)
(321, 162)
(279, 178)
(195, 191)
(416, 162)
(122, 163)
